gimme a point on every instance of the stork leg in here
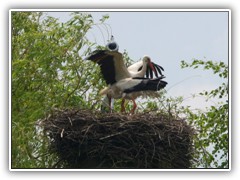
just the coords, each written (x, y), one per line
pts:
(134, 106)
(122, 105)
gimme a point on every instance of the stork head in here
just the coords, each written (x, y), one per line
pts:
(147, 60)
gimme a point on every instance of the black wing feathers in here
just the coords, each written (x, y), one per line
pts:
(149, 72)
(95, 55)
(159, 68)
(108, 70)
(148, 84)
(106, 63)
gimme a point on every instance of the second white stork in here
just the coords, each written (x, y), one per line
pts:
(148, 71)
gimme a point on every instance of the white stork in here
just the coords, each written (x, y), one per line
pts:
(144, 67)
(114, 70)
(131, 88)
(150, 68)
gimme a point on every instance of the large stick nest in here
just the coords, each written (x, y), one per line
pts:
(87, 139)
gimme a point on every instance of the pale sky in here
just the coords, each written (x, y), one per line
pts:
(168, 38)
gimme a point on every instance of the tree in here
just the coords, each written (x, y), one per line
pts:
(48, 72)
(211, 141)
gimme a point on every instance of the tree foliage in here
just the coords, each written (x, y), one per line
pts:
(48, 72)
(212, 138)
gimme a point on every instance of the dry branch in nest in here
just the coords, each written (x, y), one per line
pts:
(87, 139)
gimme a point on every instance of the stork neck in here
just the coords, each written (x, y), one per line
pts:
(144, 68)
(142, 72)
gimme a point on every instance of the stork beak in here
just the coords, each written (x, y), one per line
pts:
(153, 68)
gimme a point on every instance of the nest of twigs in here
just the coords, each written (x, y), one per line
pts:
(87, 139)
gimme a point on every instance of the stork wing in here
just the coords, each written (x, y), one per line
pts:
(111, 64)
(158, 69)
(136, 67)
(144, 84)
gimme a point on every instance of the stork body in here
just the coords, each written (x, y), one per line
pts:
(111, 64)
(126, 83)
(131, 88)
(140, 68)
(148, 71)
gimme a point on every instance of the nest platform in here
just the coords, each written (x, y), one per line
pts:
(90, 140)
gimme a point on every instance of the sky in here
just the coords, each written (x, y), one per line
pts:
(168, 38)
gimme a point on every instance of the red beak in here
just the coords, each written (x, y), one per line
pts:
(153, 68)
